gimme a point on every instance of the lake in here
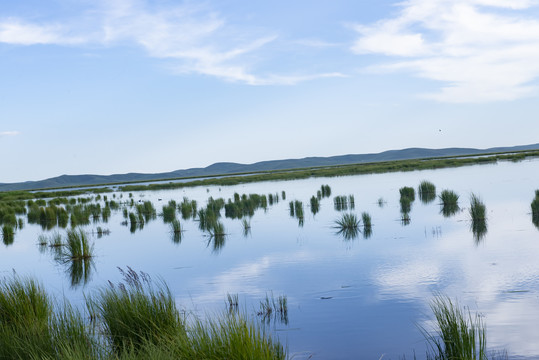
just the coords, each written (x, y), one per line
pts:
(362, 297)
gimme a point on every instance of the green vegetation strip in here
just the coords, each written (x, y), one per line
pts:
(343, 170)
(292, 174)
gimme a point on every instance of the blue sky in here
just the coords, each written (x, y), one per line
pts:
(115, 86)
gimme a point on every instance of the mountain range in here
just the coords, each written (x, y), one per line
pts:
(226, 168)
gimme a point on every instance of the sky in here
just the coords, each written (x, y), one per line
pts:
(117, 86)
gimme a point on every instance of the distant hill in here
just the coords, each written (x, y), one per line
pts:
(224, 168)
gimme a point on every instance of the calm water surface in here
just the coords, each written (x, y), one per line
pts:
(359, 298)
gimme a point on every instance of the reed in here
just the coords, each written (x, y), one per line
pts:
(25, 311)
(298, 209)
(176, 226)
(77, 246)
(233, 302)
(477, 209)
(407, 192)
(340, 203)
(535, 209)
(291, 208)
(283, 195)
(459, 335)
(449, 201)
(315, 205)
(366, 218)
(427, 192)
(8, 234)
(276, 309)
(169, 213)
(136, 312)
(479, 218)
(347, 221)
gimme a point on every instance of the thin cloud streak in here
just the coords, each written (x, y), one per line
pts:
(9, 133)
(480, 52)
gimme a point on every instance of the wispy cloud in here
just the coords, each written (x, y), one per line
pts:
(192, 36)
(9, 133)
(17, 31)
(483, 50)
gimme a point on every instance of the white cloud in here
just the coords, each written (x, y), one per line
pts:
(15, 31)
(193, 37)
(9, 133)
(483, 50)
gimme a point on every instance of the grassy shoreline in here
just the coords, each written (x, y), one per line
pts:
(274, 175)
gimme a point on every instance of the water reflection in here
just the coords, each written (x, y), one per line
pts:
(216, 241)
(449, 210)
(479, 229)
(79, 271)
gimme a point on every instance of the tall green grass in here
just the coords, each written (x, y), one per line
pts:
(25, 311)
(8, 234)
(348, 226)
(367, 225)
(136, 312)
(77, 246)
(135, 319)
(459, 335)
(449, 201)
(427, 192)
(535, 209)
(478, 213)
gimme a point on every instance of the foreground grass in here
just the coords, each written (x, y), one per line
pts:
(459, 335)
(135, 319)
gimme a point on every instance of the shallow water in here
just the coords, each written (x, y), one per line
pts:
(358, 298)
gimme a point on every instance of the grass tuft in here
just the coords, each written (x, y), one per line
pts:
(427, 192)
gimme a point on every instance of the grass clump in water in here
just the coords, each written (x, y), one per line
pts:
(459, 335)
(8, 234)
(449, 201)
(77, 246)
(479, 218)
(427, 192)
(535, 209)
(367, 225)
(136, 312)
(348, 226)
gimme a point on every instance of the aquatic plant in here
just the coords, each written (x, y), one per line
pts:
(270, 308)
(459, 335)
(315, 205)
(233, 302)
(25, 311)
(135, 319)
(8, 234)
(77, 246)
(325, 191)
(449, 201)
(535, 209)
(367, 224)
(347, 221)
(381, 202)
(405, 219)
(176, 226)
(427, 191)
(340, 203)
(169, 212)
(298, 209)
(477, 209)
(407, 192)
(478, 215)
(136, 312)
(348, 226)
(291, 208)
